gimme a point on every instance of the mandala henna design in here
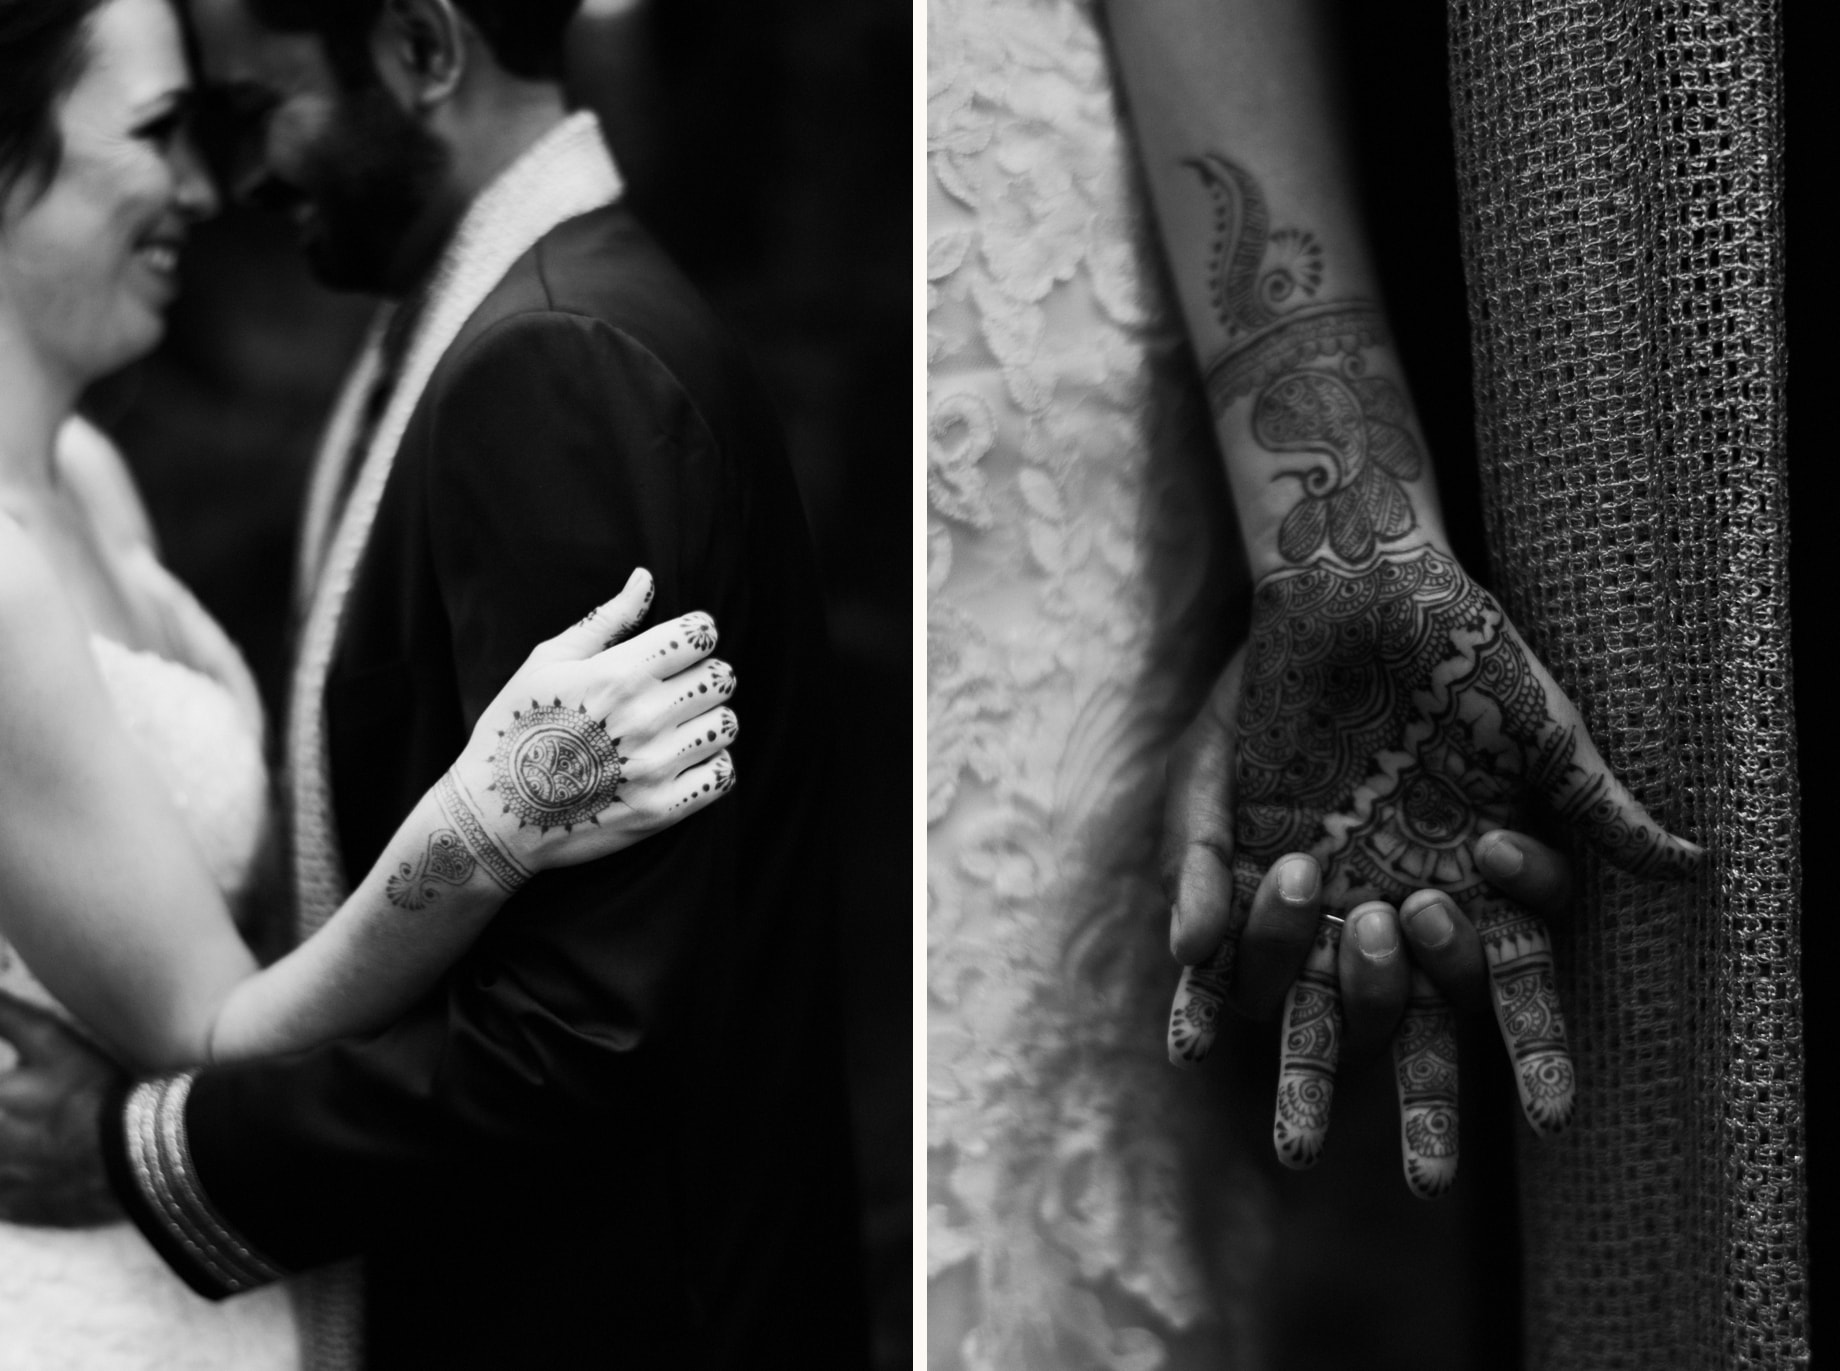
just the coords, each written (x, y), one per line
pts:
(464, 816)
(1312, 1047)
(1388, 718)
(445, 861)
(1425, 1070)
(556, 767)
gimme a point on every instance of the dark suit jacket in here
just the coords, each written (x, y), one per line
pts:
(616, 1134)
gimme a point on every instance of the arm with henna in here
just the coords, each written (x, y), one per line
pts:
(1384, 714)
(593, 744)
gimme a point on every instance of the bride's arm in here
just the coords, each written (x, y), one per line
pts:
(109, 903)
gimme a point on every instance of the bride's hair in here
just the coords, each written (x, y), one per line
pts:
(42, 47)
(526, 36)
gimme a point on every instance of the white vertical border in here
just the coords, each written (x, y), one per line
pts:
(918, 1312)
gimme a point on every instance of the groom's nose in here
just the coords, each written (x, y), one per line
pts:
(196, 193)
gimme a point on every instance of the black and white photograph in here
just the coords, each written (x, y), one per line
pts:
(1001, 685)
(1364, 788)
(455, 644)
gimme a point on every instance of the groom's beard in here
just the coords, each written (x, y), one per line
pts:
(366, 193)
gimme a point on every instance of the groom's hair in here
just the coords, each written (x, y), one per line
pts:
(526, 36)
(43, 44)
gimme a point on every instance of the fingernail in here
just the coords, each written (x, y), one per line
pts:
(1499, 857)
(1374, 935)
(1431, 925)
(1297, 880)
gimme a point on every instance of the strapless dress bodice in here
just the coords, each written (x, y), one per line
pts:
(101, 1299)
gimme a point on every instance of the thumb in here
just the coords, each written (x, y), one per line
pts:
(1588, 796)
(605, 624)
(1571, 776)
(1197, 856)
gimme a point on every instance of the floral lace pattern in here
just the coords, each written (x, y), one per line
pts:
(1085, 1210)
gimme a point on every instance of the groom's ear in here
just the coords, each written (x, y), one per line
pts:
(420, 48)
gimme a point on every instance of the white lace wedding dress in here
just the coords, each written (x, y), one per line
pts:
(1089, 1208)
(101, 1299)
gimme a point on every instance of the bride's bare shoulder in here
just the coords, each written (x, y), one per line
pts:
(92, 467)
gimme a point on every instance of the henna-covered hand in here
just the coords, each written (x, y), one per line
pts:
(599, 740)
(1381, 720)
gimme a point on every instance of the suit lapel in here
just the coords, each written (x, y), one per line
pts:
(566, 174)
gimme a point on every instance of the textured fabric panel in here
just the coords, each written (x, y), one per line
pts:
(1620, 172)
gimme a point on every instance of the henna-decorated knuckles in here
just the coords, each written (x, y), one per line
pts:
(599, 740)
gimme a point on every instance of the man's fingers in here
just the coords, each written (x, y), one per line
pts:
(1425, 1070)
(1278, 936)
(1375, 976)
(1197, 848)
(1527, 871)
(1519, 953)
(1201, 995)
(1312, 1048)
(1444, 945)
(605, 624)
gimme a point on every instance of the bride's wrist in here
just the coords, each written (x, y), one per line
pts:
(468, 818)
(1266, 554)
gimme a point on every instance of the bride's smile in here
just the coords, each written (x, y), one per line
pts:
(90, 237)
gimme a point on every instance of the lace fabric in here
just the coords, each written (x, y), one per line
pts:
(1074, 578)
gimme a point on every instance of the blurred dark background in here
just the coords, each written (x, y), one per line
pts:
(768, 144)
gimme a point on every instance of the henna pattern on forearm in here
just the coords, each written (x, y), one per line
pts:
(555, 767)
(1263, 286)
(445, 862)
(499, 864)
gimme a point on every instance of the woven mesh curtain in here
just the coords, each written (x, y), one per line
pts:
(1620, 170)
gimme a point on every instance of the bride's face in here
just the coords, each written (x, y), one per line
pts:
(88, 260)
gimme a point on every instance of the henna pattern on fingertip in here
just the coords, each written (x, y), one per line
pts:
(1311, 1050)
(1518, 950)
(1201, 994)
(1425, 1071)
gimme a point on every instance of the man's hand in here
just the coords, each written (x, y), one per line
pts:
(50, 1153)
